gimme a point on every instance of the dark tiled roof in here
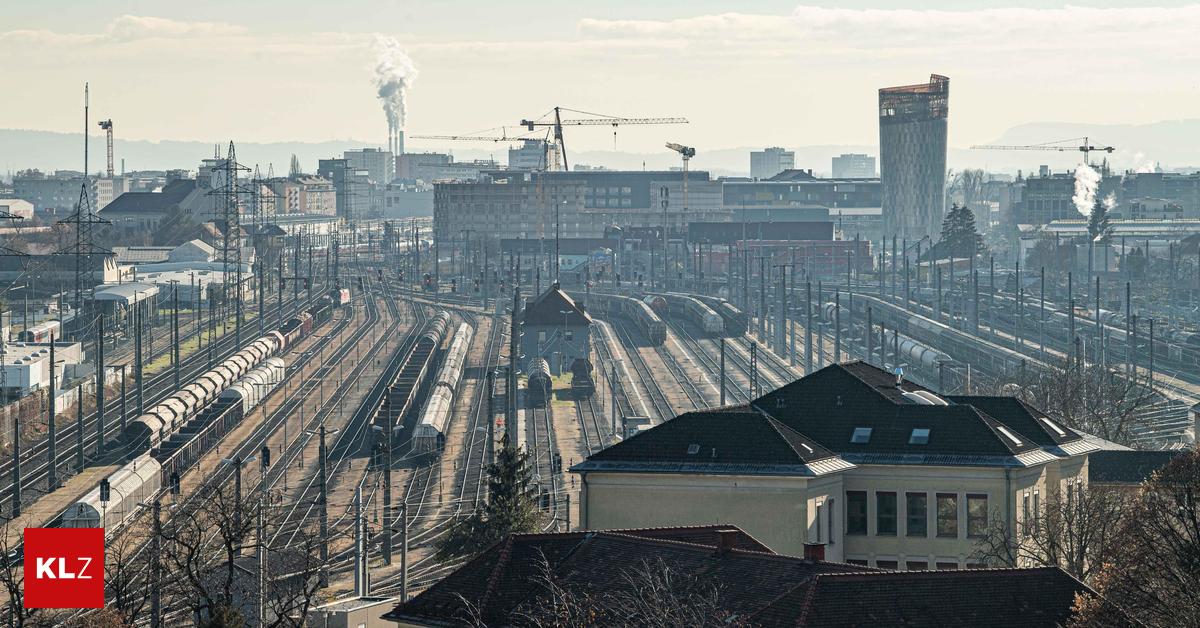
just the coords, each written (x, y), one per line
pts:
(1028, 598)
(1126, 467)
(151, 202)
(547, 309)
(737, 435)
(1020, 416)
(831, 403)
(761, 588)
(503, 578)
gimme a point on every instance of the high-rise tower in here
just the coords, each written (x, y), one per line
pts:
(912, 157)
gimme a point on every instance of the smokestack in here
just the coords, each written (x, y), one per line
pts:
(399, 142)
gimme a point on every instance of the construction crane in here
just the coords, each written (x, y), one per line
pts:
(549, 159)
(557, 124)
(1086, 147)
(687, 152)
(107, 125)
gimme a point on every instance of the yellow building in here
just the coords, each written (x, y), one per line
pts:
(879, 470)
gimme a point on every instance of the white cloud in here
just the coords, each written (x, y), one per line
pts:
(135, 27)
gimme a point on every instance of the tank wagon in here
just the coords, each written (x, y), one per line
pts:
(430, 433)
(540, 385)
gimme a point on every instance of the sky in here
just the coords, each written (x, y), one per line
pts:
(744, 73)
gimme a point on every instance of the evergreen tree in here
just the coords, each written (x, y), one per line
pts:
(1098, 224)
(960, 237)
(511, 507)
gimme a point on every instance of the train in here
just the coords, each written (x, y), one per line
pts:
(401, 393)
(733, 318)
(539, 387)
(688, 307)
(340, 296)
(429, 435)
(657, 303)
(582, 384)
(141, 478)
(41, 332)
(636, 310)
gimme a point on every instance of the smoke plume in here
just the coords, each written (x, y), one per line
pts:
(1086, 182)
(394, 76)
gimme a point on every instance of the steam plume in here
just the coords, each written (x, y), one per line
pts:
(1086, 182)
(394, 76)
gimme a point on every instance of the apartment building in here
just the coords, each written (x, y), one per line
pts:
(878, 469)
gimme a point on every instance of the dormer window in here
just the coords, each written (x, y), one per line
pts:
(861, 436)
(919, 436)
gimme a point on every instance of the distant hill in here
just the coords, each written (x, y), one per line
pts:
(1170, 143)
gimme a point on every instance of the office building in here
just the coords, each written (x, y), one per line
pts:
(352, 187)
(379, 164)
(912, 157)
(769, 162)
(854, 166)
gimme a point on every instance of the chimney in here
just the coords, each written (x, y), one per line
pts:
(814, 551)
(727, 538)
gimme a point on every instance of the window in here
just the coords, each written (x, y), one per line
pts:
(819, 517)
(916, 565)
(947, 566)
(862, 435)
(885, 514)
(920, 436)
(1037, 512)
(570, 335)
(856, 512)
(1025, 520)
(947, 515)
(977, 515)
(887, 564)
(917, 516)
(857, 561)
(829, 515)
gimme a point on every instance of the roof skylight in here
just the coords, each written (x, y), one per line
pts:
(862, 435)
(920, 436)
(1050, 424)
(693, 449)
(1013, 437)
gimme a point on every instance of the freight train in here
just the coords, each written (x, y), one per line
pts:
(430, 433)
(690, 308)
(402, 390)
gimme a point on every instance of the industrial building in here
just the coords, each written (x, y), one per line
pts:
(912, 157)
(769, 162)
(854, 166)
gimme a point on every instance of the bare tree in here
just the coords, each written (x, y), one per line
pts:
(12, 578)
(1154, 580)
(1090, 397)
(126, 573)
(1076, 530)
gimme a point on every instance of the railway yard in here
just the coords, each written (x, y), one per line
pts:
(363, 431)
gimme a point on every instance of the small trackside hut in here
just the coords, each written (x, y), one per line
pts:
(555, 328)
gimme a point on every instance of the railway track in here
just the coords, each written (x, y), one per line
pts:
(653, 389)
(157, 388)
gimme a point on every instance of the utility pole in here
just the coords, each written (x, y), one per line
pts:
(79, 427)
(262, 565)
(808, 329)
(722, 387)
(137, 351)
(389, 528)
(100, 382)
(754, 369)
(837, 327)
(359, 568)
(156, 567)
(324, 514)
(175, 331)
(404, 550)
(51, 430)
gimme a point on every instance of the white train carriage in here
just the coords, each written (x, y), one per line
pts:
(256, 385)
(704, 316)
(137, 481)
(430, 433)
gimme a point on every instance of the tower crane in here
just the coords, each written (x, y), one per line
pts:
(687, 152)
(548, 161)
(1085, 147)
(107, 125)
(557, 124)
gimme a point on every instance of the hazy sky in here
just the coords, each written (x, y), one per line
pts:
(745, 73)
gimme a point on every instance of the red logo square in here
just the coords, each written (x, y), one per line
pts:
(64, 568)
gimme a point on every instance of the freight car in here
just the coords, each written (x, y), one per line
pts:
(656, 303)
(430, 433)
(540, 385)
(733, 318)
(582, 384)
(402, 390)
(134, 483)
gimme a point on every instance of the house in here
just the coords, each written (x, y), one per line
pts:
(17, 208)
(880, 470)
(142, 211)
(556, 328)
(1126, 469)
(747, 584)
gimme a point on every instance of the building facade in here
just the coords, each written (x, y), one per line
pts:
(556, 329)
(769, 162)
(379, 164)
(879, 470)
(854, 166)
(912, 157)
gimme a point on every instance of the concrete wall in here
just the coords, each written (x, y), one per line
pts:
(773, 509)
